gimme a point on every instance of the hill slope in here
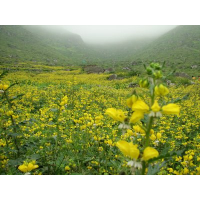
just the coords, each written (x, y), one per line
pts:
(53, 45)
(33, 43)
(180, 46)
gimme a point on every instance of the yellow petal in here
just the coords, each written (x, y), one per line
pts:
(30, 167)
(35, 166)
(130, 101)
(138, 129)
(128, 149)
(23, 168)
(117, 115)
(134, 151)
(136, 116)
(155, 107)
(159, 135)
(161, 90)
(5, 87)
(171, 109)
(123, 147)
(141, 106)
(111, 112)
(149, 153)
(153, 137)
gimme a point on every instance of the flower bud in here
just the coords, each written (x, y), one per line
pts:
(161, 90)
(144, 83)
(149, 70)
(157, 74)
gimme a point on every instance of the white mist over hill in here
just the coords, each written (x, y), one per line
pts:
(100, 34)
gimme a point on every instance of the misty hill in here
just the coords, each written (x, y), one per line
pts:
(55, 35)
(180, 46)
(117, 52)
(53, 45)
(34, 43)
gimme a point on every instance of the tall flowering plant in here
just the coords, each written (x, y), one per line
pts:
(141, 155)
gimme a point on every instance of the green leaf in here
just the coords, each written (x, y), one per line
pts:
(152, 170)
(15, 162)
(35, 157)
(171, 73)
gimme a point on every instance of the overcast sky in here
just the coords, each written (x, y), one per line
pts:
(112, 33)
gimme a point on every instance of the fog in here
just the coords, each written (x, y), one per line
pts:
(101, 34)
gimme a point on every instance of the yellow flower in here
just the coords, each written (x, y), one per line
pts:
(155, 107)
(144, 83)
(138, 129)
(23, 168)
(185, 171)
(31, 166)
(151, 131)
(159, 136)
(117, 115)
(4, 87)
(128, 149)
(67, 168)
(9, 113)
(161, 90)
(27, 167)
(136, 116)
(171, 109)
(130, 101)
(141, 106)
(153, 137)
(198, 169)
(149, 153)
(157, 74)
(170, 170)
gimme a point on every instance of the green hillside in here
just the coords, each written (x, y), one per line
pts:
(180, 46)
(69, 45)
(53, 45)
(31, 43)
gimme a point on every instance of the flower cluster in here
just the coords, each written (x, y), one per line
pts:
(28, 166)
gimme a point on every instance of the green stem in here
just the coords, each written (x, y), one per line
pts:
(150, 123)
(149, 126)
(143, 167)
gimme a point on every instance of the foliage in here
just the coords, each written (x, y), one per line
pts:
(76, 137)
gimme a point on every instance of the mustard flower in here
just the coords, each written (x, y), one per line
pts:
(149, 153)
(136, 117)
(128, 149)
(140, 106)
(161, 90)
(117, 115)
(27, 167)
(171, 109)
(130, 101)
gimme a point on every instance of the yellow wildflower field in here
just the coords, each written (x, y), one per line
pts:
(58, 122)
